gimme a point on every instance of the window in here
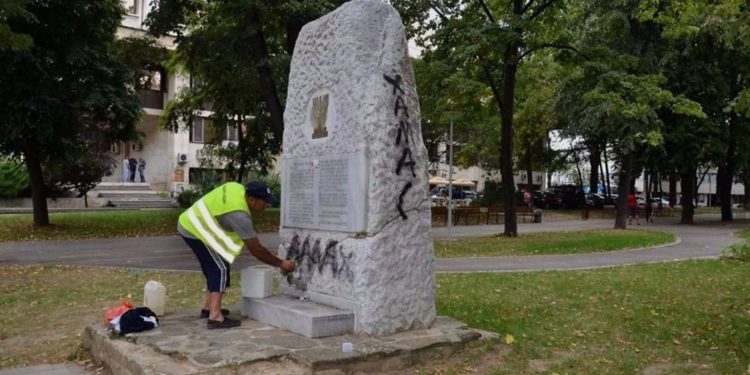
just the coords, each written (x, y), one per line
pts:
(131, 6)
(154, 80)
(231, 133)
(196, 130)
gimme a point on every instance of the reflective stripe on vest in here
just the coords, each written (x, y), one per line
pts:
(225, 247)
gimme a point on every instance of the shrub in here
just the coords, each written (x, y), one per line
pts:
(13, 178)
(739, 251)
(188, 197)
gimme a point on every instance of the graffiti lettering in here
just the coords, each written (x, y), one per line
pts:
(400, 205)
(396, 82)
(401, 112)
(311, 260)
(402, 162)
(404, 128)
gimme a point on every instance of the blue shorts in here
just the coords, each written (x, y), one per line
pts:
(214, 267)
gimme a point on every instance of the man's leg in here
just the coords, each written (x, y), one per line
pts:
(216, 271)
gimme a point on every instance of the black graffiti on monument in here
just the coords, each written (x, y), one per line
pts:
(312, 258)
(401, 112)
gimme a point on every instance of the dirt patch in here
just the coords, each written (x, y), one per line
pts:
(477, 358)
(671, 368)
(542, 365)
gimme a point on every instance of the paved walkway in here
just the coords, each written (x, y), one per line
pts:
(171, 253)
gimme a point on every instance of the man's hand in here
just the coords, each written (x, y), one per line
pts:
(287, 266)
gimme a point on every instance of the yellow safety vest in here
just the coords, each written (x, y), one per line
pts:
(200, 219)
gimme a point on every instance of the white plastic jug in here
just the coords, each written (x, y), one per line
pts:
(154, 296)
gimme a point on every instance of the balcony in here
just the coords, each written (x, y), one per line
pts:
(151, 99)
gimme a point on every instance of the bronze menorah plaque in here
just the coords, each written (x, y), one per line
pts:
(320, 114)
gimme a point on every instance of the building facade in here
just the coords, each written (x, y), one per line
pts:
(171, 157)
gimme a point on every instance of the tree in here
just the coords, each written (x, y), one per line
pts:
(66, 86)
(10, 39)
(710, 46)
(487, 42)
(616, 90)
(238, 55)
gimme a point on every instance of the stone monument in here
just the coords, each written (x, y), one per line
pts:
(355, 211)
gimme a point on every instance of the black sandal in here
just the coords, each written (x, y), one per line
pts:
(226, 323)
(205, 313)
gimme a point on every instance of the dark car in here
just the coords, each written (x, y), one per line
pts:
(572, 196)
(594, 200)
(544, 199)
(458, 193)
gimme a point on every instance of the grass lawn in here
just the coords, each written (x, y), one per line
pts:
(587, 241)
(105, 224)
(672, 318)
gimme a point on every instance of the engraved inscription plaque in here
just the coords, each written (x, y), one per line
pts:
(327, 192)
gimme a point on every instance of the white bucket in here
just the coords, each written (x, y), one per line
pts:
(154, 297)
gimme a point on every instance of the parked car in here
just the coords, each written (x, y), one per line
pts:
(572, 196)
(441, 192)
(594, 200)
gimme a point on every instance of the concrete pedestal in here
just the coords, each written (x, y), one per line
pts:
(306, 318)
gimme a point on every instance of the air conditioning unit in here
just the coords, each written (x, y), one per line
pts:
(229, 144)
(182, 158)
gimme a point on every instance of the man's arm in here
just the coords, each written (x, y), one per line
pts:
(263, 255)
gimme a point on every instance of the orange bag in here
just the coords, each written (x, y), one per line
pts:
(114, 312)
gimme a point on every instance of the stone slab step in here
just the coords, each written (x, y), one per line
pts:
(126, 199)
(306, 318)
(128, 193)
(139, 204)
(123, 186)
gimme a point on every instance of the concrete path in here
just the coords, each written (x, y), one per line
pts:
(65, 369)
(171, 253)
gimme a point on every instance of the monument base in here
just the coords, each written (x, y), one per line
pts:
(182, 345)
(306, 318)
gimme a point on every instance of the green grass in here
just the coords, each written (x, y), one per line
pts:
(690, 317)
(587, 241)
(106, 224)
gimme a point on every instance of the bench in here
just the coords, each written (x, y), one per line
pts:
(495, 215)
(469, 215)
(440, 214)
(525, 212)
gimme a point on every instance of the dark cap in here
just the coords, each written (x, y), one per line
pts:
(260, 190)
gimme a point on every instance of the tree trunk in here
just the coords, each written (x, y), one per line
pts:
(687, 186)
(506, 139)
(595, 159)
(724, 191)
(724, 180)
(601, 176)
(606, 170)
(241, 146)
(268, 90)
(38, 190)
(529, 171)
(672, 188)
(623, 189)
(746, 182)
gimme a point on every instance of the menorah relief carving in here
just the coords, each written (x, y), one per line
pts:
(320, 114)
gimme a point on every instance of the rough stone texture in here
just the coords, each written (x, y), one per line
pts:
(182, 345)
(389, 268)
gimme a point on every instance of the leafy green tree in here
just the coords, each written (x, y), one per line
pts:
(486, 42)
(67, 86)
(10, 39)
(237, 54)
(13, 178)
(616, 90)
